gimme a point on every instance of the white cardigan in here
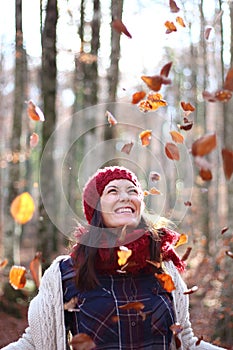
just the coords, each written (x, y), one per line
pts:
(46, 315)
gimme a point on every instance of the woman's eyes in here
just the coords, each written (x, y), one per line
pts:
(131, 191)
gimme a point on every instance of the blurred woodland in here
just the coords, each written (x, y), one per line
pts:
(145, 84)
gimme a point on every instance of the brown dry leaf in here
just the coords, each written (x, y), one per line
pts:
(166, 69)
(180, 21)
(166, 281)
(182, 240)
(173, 7)
(123, 254)
(186, 254)
(188, 124)
(188, 204)
(135, 305)
(187, 106)
(224, 229)
(36, 268)
(204, 145)
(176, 328)
(138, 96)
(228, 84)
(145, 137)
(227, 158)
(17, 276)
(230, 254)
(206, 174)
(170, 27)
(119, 26)
(34, 139)
(155, 82)
(172, 151)
(177, 136)
(191, 290)
(208, 96)
(151, 104)
(223, 95)
(198, 342)
(82, 341)
(22, 208)
(127, 147)
(34, 112)
(207, 32)
(111, 119)
(3, 263)
(154, 176)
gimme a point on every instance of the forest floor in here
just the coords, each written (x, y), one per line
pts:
(202, 309)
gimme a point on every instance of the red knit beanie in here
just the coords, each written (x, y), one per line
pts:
(94, 187)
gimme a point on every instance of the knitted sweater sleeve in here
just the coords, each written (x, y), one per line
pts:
(181, 308)
(45, 316)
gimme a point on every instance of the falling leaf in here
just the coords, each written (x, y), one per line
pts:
(123, 254)
(34, 112)
(166, 281)
(22, 208)
(155, 82)
(208, 96)
(182, 240)
(187, 125)
(119, 26)
(138, 96)
(173, 7)
(154, 191)
(166, 69)
(204, 145)
(187, 106)
(170, 27)
(228, 84)
(71, 304)
(154, 176)
(180, 21)
(188, 204)
(36, 268)
(207, 32)
(186, 254)
(177, 136)
(198, 342)
(176, 328)
(127, 147)
(227, 158)
(191, 290)
(34, 139)
(145, 137)
(82, 341)
(152, 103)
(111, 119)
(230, 254)
(223, 95)
(135, 305)
(206, 174)
(172, 151)
(154, 263)
(17, 277)
(224, 229)
(3, 263)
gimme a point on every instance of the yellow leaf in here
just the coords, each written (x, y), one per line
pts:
(22, 208)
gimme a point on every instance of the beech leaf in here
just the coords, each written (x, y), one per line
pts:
(227, 158)
(172, 151)
(119, 26)
(204, 145)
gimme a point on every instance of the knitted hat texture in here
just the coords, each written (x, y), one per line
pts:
(95, 185)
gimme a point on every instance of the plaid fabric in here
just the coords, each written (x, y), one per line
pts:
(98, 313)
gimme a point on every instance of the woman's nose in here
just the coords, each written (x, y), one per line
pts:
(124, 196)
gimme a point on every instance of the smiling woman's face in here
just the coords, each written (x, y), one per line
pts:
(121, 204)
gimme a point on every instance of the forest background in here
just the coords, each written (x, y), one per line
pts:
(69, 74)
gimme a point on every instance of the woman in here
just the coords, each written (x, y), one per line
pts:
(113, 301)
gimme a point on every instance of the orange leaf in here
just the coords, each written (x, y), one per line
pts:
(180, 21)
(154, 82)
(228, 84)
(166, 69)
(111, 119)
(34, 139)
(154, 191)
(138, 96)
(34, 112)
(22, 208)
(36, 268)
(170, 27)
(227, 157)
(123, 254)
(206, 174)
(82, 341)
(187, 106)
(182, 240)
(136, 305)
(176, 136)
(176, 328)
(145, 137)
(173, 7)
(166, 281)
(223, 95)
(119, 26)
(17, 277)
(172, 151)
(127, 148)
(3, 263)
(204, 145)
